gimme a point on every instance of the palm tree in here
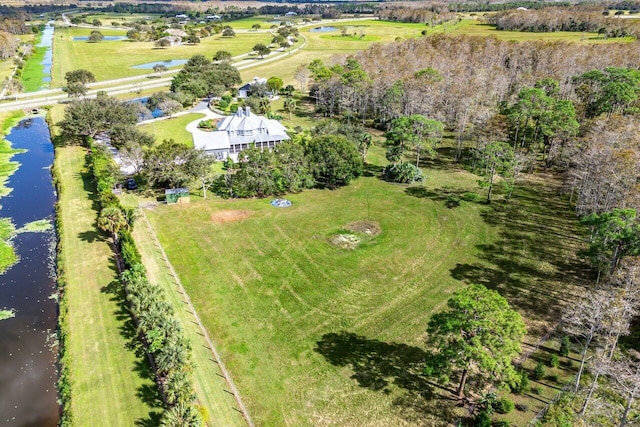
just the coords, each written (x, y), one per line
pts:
(174, 355)
(181, 415)
(178, 388)
(289, 105)
(112, 220)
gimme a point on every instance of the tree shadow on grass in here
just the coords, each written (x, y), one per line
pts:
(147, 392)
(450, 196)
(379, 365)
(153, 420)
(533, 262)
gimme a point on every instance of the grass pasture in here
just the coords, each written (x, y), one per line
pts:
(113, 59)
(319, 335)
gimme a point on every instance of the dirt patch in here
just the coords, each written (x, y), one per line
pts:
(221, 217)
(345, 241)
(355, 233)
(369, 228)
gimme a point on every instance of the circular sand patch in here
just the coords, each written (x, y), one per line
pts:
(221, 217)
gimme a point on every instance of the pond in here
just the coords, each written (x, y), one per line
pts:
(28, 374)
(323, 29)
(105, 39)
(168, 64)
(46, 40)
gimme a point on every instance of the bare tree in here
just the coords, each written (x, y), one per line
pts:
(624, 372)
(302, 76)
(585, 321)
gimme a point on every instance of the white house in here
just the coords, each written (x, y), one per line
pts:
(214, 17)
(239, 132)
(243, 91)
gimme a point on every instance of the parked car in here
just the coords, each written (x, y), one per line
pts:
(131, 184)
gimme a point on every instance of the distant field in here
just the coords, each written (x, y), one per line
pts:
(114, 59)
(474, 27)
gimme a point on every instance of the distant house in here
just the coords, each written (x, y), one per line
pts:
(291, 14)
(173, 40)
(176, 32)
(213, 17)
(244, 90)
(182, 16)
(239, 132)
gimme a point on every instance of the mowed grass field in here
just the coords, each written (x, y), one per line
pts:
(271, 286)
(173, 128)
(111, 383)
(318, 335)
(114, 59)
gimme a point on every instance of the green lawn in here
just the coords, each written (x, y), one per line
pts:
(318, 335)
(111, 383)
(173, 128)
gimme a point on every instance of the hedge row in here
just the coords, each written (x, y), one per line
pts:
(159, 330)
(64, 378)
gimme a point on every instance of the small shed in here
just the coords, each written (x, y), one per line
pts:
(176, 195)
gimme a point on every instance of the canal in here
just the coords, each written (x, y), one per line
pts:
(27, 353)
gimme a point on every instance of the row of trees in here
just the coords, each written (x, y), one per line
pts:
(326, 161)
(577, 18)
(160, 332)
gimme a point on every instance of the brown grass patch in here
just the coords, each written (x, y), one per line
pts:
(221, 217)
(370, 228)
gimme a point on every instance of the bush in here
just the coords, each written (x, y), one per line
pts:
(503, 406)
(568, 363)
(523, 382)
(404, 173)
(472, 197)
(536, 390)
(554, 378)
(538, 371)
(233, 108)
(522, 407)
(554, 361)
(482, 420)
(565, 346)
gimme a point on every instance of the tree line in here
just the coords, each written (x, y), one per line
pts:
(576, 18)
